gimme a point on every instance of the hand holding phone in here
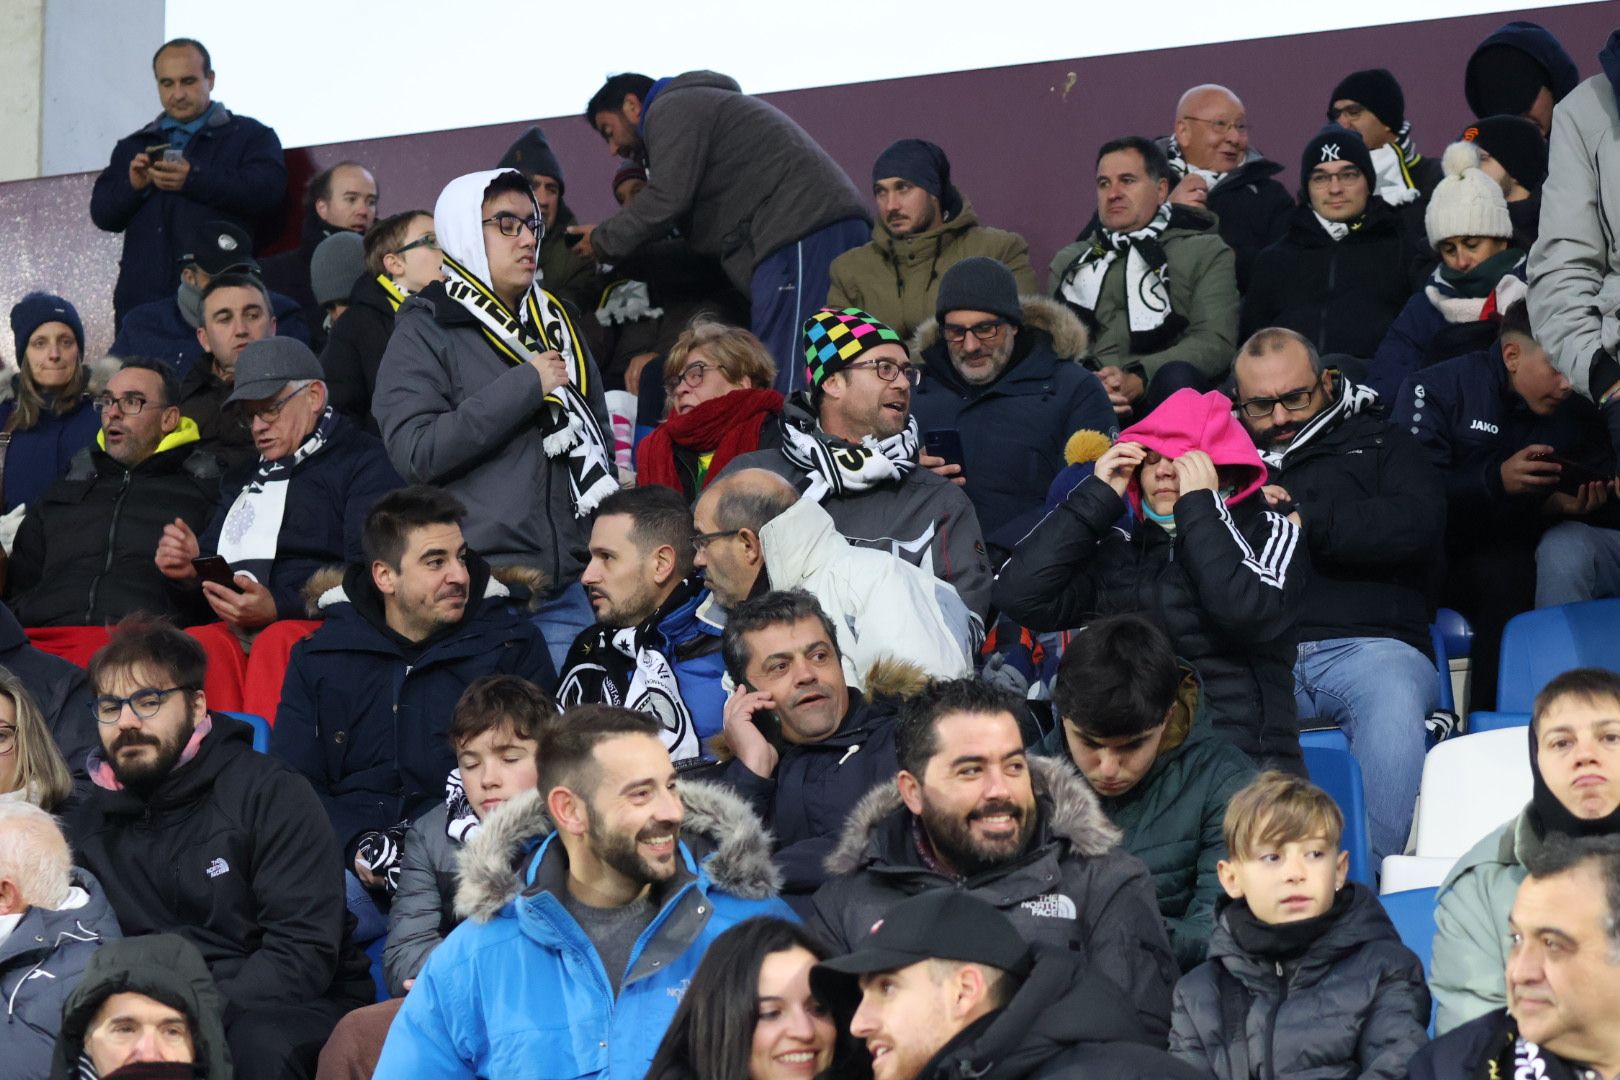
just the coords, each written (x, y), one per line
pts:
(945, 443)
(214, 568)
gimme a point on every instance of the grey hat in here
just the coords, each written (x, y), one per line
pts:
(980, 284)
(263, 367)
(337, 263)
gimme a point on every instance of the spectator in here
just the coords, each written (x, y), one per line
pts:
(969, 812)
(1305, 974)
(754, 189)
(805, 747)
(1154, 285)
(196, 162)
(1131, 719)
(654, 647)
(170, 329)
(1372, 512)
(342, 198)
(925, 227)
(336, 266)
(52, 918)
(1221, 575)
(491, 393)
(1371, 104)
(1480, 275)
(402, 258)
(1338, 277)
(852, 446)
(1220, 172)
(182, 802)
(1513, 152)
(944, 986)
(367, 703)
(83, 555)
(755, 981)
(1572, 266)
(144, 999)
(566, 273)
(756, 534)
(59, 699)
(1012, 396)
(587, 941)
(1564, 982)
(1490, 421)
(48, 416)
(1576, 793)
(300, 507)
(32, 769)
(1519, 70)
(237, 311)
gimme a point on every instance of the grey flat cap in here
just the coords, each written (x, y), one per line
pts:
(263, 367)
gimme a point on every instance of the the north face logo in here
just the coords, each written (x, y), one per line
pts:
(1480, 425)
(1330, 151)
(218, 867)
(1051, 906)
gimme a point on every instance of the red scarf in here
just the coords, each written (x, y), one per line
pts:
(728, 426)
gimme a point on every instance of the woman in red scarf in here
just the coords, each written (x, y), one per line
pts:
(719, 380)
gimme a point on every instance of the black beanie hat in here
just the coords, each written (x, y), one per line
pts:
(980, 284)
(1516, 143)
(1334, 143)
(918, 161)
(1377, 91)
(531, 155)
(1503, 79)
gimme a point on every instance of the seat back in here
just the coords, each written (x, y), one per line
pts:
(1338, 773)
(1539, 645)
(1412, 912)
(1471, 784)
(260, 726)
(1400, 873)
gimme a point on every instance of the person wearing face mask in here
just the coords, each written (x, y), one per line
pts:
(49, 417)
(1574, 739)
(1220, 574)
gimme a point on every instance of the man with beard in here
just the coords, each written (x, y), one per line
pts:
(193, 833)
(970, 810)
(589, 903)
(652, 649)
(368, 699)
(1372, 509)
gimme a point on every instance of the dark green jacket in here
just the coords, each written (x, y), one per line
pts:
(1172, 818)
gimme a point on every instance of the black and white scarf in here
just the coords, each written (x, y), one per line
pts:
(1154, 325)
(1179, 162)
(844, 468)
(567, 425)
(1353, 398)
(248, 537)
(460, 820)
(1392, 164)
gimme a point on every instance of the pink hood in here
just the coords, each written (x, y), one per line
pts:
(1188, 420)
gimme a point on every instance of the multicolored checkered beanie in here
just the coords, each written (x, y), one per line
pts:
(835, 338)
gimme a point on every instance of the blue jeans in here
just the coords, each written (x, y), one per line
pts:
(789, 285)
(1575, 562)
(373, 924)
(1380, 691)
(562, 619)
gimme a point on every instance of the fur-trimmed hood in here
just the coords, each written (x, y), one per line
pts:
(325, 586)
(722, 833)
(1069, 338)
(1068, 807)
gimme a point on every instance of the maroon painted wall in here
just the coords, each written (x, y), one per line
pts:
(1021, 139)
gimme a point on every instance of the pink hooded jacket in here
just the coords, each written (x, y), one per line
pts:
(1188, 420)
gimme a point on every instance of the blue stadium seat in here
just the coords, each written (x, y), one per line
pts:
(260, 726)
(1325, 739)
(1338, 773)
(1539, 645)
(1452, 639)
(1412, 912)
(1495, 721)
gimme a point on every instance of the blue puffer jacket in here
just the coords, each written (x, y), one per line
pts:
(518, 990)
(237, 175)
(159, 331)
(370, 727)
(1436, 325)
(40, 455)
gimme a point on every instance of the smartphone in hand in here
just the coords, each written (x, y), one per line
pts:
(944, 443)
(214, 568)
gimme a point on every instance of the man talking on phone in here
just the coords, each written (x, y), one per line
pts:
(197, 162)
(1001, 384)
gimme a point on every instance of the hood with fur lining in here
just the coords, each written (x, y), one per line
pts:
(722, 831)
(1068, 807)
(1068, 333)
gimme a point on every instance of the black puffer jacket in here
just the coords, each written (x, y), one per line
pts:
(1354, 1005)
(354, 351)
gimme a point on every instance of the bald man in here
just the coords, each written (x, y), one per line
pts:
(1220, 172)
(755, 535)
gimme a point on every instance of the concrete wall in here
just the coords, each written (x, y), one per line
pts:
(97, 80)
(22, 59)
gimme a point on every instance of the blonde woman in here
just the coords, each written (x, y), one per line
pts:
(31, 767)
(50, 417)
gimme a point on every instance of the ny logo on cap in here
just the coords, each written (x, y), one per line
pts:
(227, 242)
(1330, 151)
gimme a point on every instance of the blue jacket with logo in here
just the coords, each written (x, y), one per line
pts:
(518, 990)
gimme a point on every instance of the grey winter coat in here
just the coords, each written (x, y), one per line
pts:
(739, 176)
(40, 963)
(454, 413)
(1471, 923)
(1353, 1006)
(424, 911)
(1075, 888)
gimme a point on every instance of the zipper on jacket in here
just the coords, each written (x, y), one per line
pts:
(112, 532)
(1271, 1027)
(1333, 277)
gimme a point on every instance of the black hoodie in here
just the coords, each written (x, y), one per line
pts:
(1538, 44)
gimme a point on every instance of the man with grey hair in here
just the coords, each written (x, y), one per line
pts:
(53, 916)
(1372, 509)
(1563, 975)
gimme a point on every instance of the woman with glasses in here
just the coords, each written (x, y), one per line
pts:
(31, 767)
(719, 380)
(49, 417)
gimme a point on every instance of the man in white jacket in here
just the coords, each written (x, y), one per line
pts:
(756, 534)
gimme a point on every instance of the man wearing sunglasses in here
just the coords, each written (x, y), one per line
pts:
(1372, 510)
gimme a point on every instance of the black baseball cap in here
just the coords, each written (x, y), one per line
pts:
(219, 246)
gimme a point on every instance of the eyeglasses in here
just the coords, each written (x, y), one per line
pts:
(431, 242)
(703, 540)
(272, 411)
(1324, 180)
(888, 370)
(144, 702)
(691, 375)
(8, 740)
(512, 225)
(129, 404)
(1222, 126)
(1354, 112)
(986, 331)
(1293, 401)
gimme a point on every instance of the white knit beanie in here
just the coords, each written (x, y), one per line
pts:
(1466, 202)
